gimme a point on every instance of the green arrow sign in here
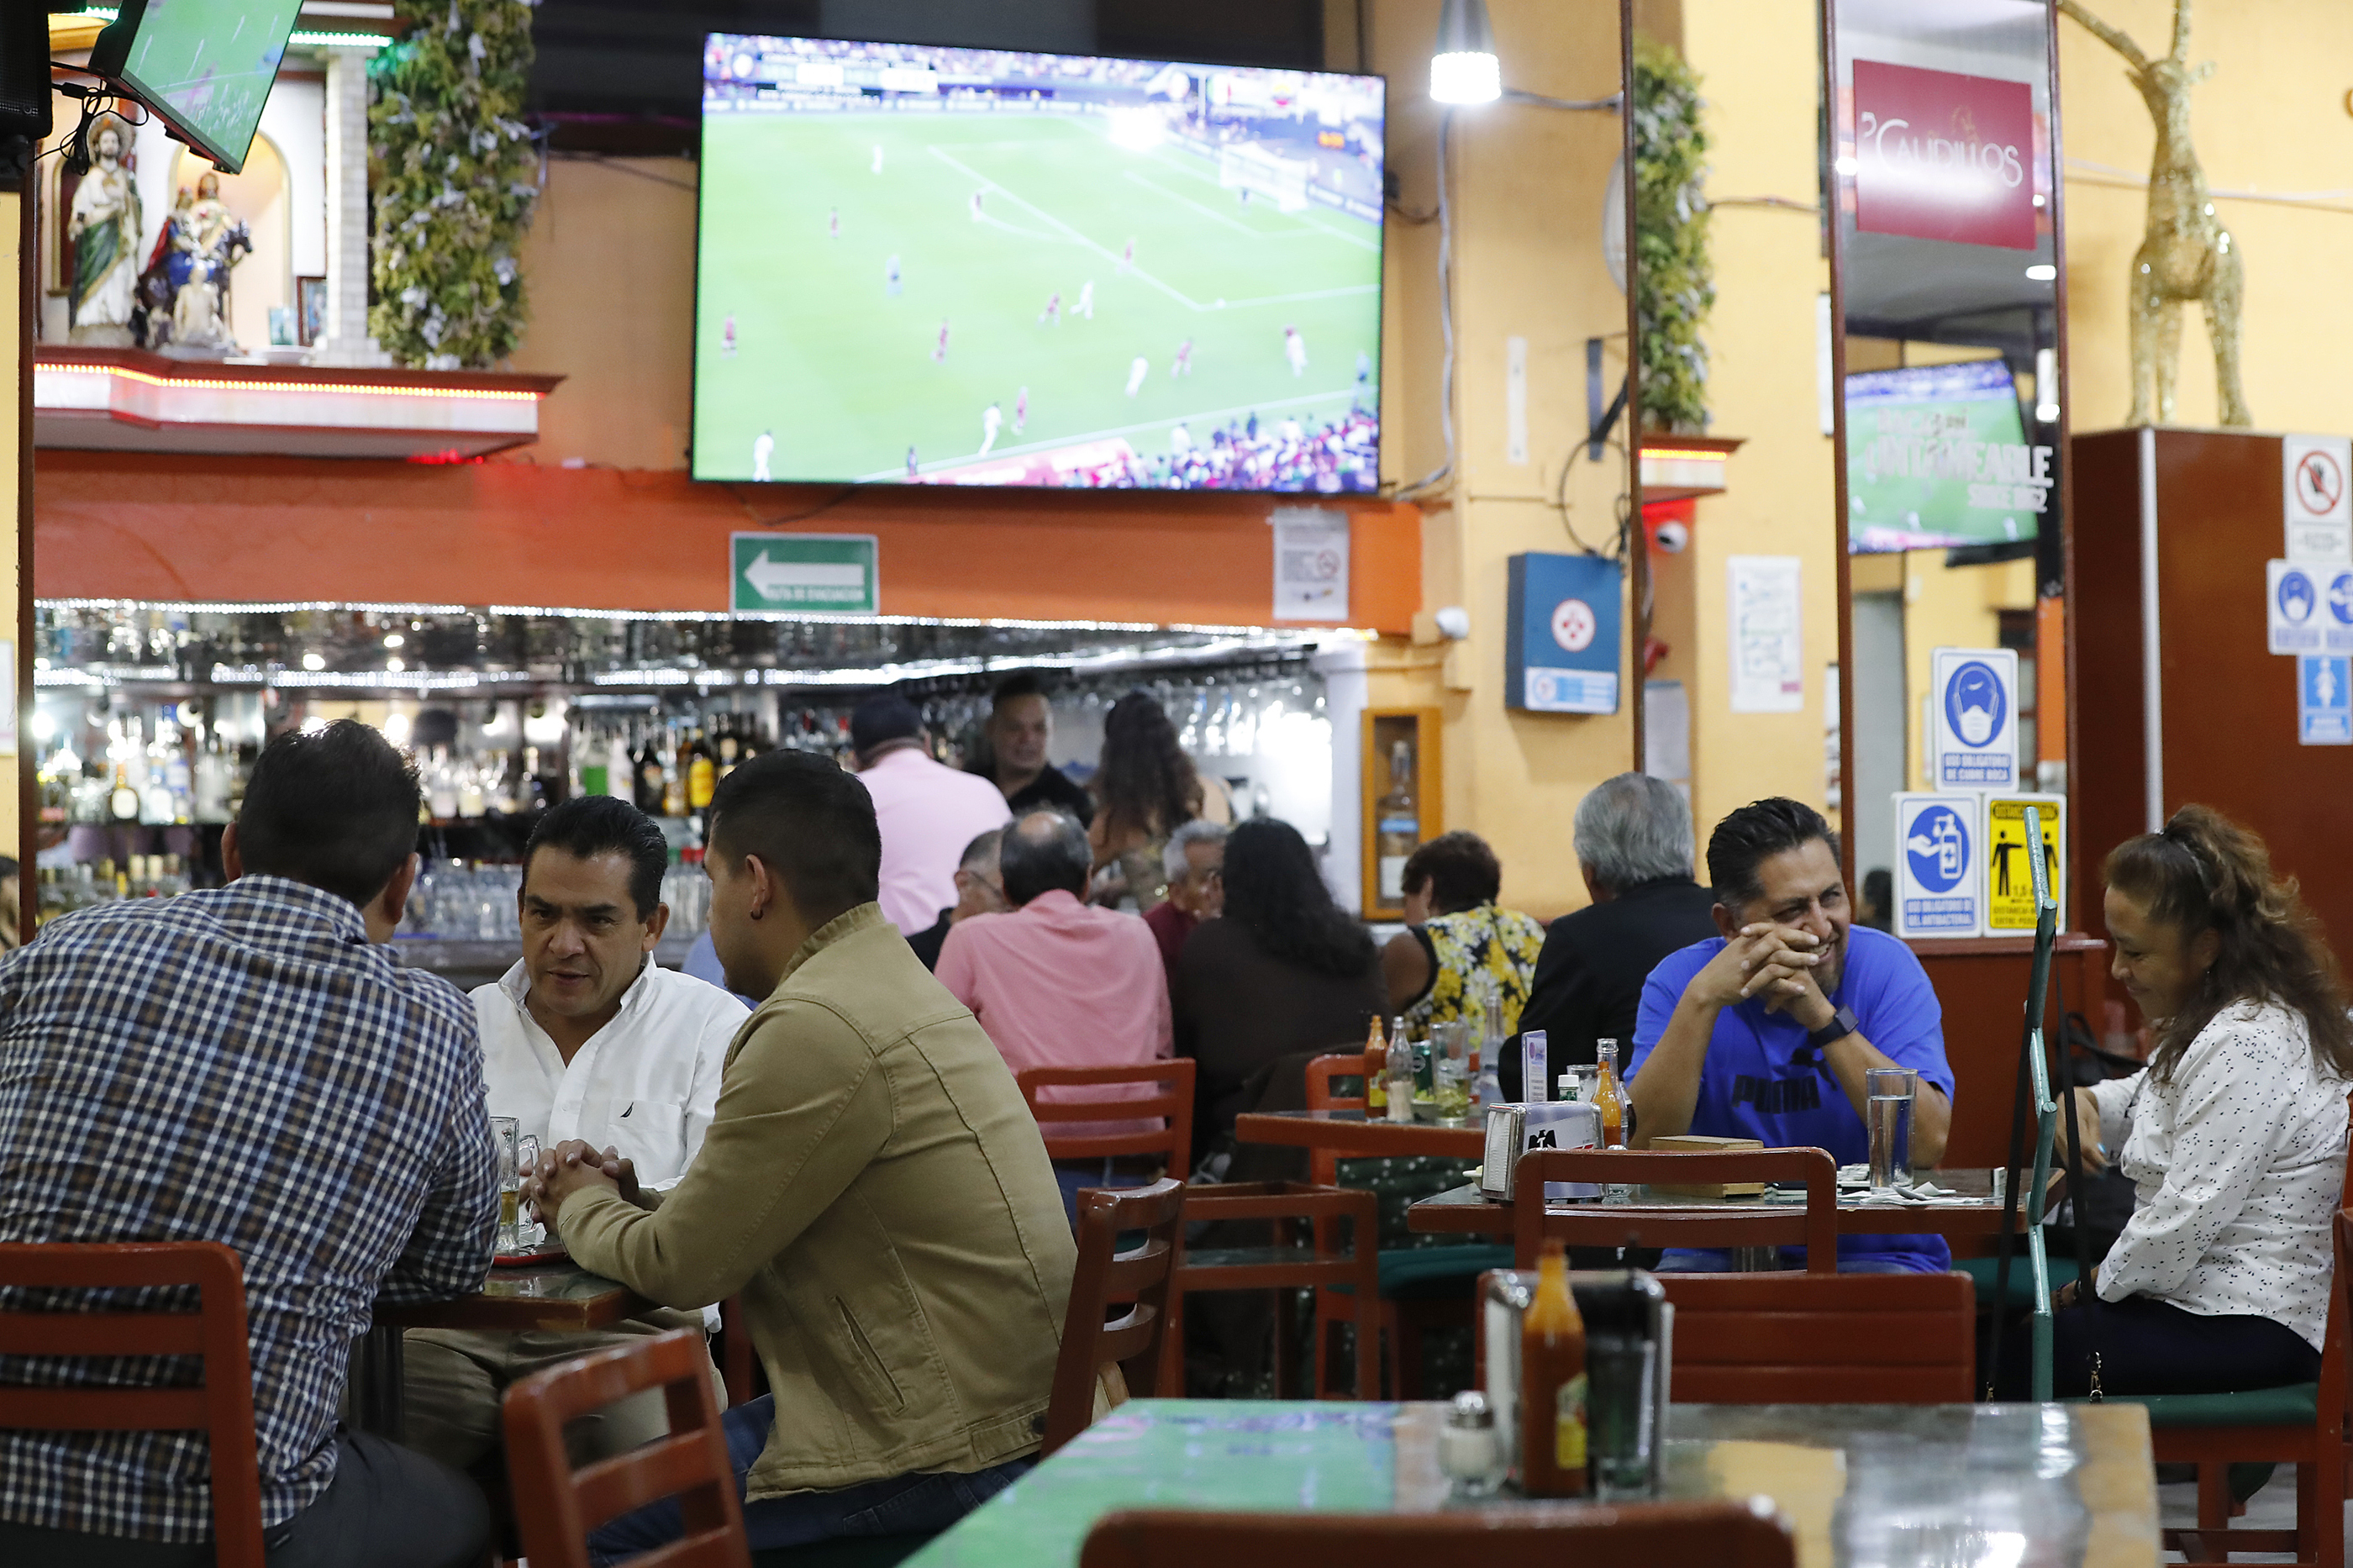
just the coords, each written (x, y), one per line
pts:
(837, 572)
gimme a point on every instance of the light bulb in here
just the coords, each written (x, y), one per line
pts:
(1465, 77)
(314, 661)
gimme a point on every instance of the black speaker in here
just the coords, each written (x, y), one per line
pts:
(24, 107)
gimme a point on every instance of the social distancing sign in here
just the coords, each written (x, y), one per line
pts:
(2009, 863)
(1940, 888)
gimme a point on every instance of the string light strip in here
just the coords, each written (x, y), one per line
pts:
(1673, 455)
(476, 394)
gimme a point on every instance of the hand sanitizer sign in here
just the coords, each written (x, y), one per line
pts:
(1939, 882)
(1973, 698)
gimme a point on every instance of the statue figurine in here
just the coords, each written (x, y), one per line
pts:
(103, 228)
(188, 283)
(2186, 254)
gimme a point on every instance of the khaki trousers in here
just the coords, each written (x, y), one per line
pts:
(457, 1381)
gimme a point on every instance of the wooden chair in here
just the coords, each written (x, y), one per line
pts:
(221, 1406)
(1302, 1210)
(1450, 1269)
(1818, 1339)
(1106, 1276)
(1592, 1225)
(1171, 1102)
(1623, 1535)
(556, 1506)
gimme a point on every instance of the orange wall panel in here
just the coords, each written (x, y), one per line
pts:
(111, 525)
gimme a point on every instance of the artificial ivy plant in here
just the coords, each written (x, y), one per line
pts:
(1674, 280)
(454, 174)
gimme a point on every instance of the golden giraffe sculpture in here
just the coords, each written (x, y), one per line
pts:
(2187, 254)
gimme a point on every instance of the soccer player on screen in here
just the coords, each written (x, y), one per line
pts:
(1127, 257)
(975, 206)
(1086, 300)
(727, 335)
(1020, 410)
(833, 222)
(940, 353)
(1136, 373)
(1294, 349)
(1053, 310)
(890, 276)
(878, 157)
(762, 445)
(989, 421)
(1183, 364)
(912, 471)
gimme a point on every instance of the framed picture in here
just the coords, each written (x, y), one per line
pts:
(310, 310)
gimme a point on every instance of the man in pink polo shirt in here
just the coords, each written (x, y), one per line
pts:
(1057, 982)
(928, 812)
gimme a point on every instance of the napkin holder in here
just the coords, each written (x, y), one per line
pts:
(1513, 1130)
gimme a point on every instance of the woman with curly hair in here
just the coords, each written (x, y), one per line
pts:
(1147, 788)
(2235, 1134)
(1283, 969)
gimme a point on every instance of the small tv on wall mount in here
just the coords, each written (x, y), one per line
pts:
(205, 67)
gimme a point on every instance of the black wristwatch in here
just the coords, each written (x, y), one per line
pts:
(1842, 1023)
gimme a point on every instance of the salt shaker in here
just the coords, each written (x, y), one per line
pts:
(1467, 1449)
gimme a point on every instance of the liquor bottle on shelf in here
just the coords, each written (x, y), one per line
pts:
(1397, 823)
(731, 748)
(592, 769)
(649, 775)
(122, 801)
(212, 780)
(702, 771)
(673, 775)
(441, 786)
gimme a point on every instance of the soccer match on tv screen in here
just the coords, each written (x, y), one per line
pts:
(944, 265)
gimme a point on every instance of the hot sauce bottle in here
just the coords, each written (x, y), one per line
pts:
(1552, 1384)
(1377, 1072)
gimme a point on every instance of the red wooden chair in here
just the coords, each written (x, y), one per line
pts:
(1107, 1276)
(1170, 1102)
(1624, 1535)
(221, 1406)
(556, 1506)
(1304, 1255)
(1593, 1225)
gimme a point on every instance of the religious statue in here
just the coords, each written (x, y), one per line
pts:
(186, 287)
(2186, 254)
(103, 228)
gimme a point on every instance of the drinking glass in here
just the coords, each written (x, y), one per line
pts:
(1889, 1103)
(507, 1133)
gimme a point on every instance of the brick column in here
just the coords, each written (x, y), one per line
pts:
(344, 340)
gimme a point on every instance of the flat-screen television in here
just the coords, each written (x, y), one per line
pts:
(1937, 455)
(948, 266)
(204, 66)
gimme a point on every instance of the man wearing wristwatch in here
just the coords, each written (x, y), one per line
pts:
(1766, 1030)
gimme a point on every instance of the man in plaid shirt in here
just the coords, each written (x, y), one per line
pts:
(249, 1066)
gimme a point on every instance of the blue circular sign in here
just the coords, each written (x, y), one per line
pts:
(1974, 705)
(2340, 597)
(1937, 848)
(2296, 597)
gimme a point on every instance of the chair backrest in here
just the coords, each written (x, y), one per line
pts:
(1662, 1167)
(556, 1506)
(1171, 1101)
(1823, 1339)
(1104, 1277)
(222, 1407)
(1624, 1535)
(1322, 1164)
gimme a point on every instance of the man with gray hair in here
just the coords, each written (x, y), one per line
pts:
(979, 891)
(1634, 849)
(1060, 983)
(1195, 863)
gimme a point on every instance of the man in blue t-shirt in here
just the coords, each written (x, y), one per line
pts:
(1765, 1032)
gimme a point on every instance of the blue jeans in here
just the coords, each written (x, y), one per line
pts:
(1700, 1260)
(902, 1505)
(1071, 1175)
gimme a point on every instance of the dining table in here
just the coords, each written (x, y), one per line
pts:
(1745, 1225)
(553, 1294)
(1887, 1486)
(1351, 1134)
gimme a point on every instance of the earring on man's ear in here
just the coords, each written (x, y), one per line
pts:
(755, 914)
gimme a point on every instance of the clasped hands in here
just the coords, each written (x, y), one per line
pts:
(573, 1166)
(1775, 962)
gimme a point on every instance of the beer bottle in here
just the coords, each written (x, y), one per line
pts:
(1552, 1384)
(1377, 1072)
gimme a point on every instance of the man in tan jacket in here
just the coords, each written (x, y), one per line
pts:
(872, 1183)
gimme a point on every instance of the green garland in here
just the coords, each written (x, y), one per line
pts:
(454, 174)
(1675, 279)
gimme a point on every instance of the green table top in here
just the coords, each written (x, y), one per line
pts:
(1892, 1484)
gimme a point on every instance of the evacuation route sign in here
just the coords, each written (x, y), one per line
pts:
(2009, 875)
(835, 574)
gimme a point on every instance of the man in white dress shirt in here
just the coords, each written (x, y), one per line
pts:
(584, 1038)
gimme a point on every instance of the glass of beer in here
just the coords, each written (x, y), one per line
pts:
(506, 1132)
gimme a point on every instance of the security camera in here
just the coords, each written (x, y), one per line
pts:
(1674, 537)
(1453, 622)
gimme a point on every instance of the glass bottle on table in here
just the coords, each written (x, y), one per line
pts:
(1609, 1099)
(1377, 1071)
(1553, 1448)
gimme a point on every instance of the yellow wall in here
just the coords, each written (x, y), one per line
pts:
(2273, 118)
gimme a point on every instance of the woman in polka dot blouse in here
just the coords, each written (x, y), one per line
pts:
(2235, 1134)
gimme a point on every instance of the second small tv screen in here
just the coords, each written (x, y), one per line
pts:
(941, 266)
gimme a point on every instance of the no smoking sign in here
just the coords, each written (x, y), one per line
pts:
(2318, 501)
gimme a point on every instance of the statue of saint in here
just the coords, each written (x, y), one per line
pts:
(103, 227)
(203, 240)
